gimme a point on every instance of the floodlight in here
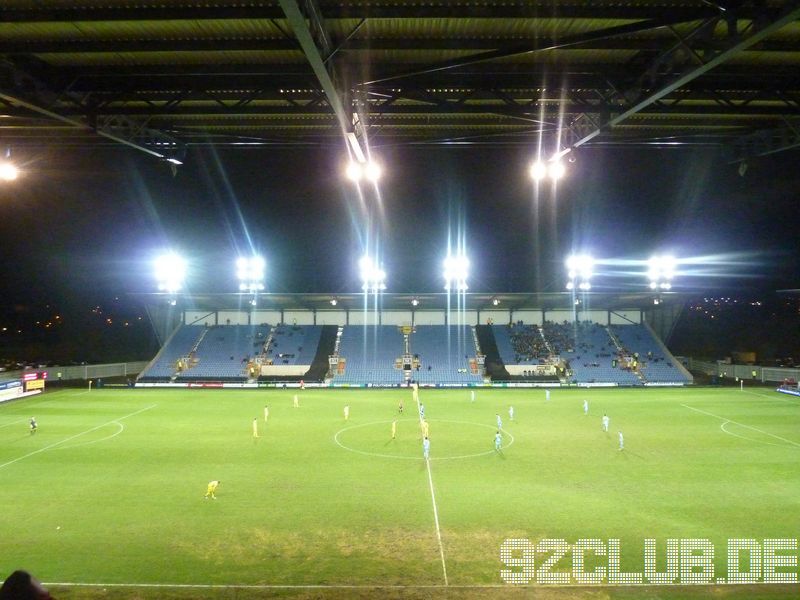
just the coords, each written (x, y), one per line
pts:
(538, 170)
(456, 271)
(660, 270)
(580, 270)
(495, 301)
(353, 171)
(372, 276)
(8, 171)
(356, 171)
(250, 272)
(170, 270)
(414, 302)
(556, 170)
(334, 302)
(580, 265)
(372, 171)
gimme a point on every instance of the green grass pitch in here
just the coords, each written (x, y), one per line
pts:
(110, 489)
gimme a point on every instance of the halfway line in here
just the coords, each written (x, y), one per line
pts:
(433, 499)
(777, 437)
(11, 462)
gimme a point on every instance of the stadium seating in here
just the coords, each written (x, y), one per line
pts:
(520, 345)
(294, 344)
(180, 344)
(590, 352)
(224, 351)
(369, 354)
(444, 354)
(656, 365)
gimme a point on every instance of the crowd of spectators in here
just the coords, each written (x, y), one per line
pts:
(528, 343)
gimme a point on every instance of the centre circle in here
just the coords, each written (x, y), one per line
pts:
(450, 440)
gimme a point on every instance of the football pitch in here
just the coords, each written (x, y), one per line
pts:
(106, 499)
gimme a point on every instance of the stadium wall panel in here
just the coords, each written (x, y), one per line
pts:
(235, 317)
(467, 317)
(331, 317)
(498, 317)
(200, 317)
(624, 317)
(359, 317)
(428, 317)
(299, 317)
(397, 317)
(529, 317)
(273, 317)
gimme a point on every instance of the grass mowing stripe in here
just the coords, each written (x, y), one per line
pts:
(433, 499)
(777, 437)
(72, 437)
(13, 423)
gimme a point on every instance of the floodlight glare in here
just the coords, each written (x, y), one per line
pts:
(456, 271)
(580, 265)
(557, 170)
(8, 171)
(414, 302)
(170, 270)
(538, 170)
(353, 171)
(250, 272)
(356, 171)
(554, 169)
(660, 270)
(372, 276)
(373, 171)
(580, 270)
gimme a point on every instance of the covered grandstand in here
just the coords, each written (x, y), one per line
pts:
(533, 340)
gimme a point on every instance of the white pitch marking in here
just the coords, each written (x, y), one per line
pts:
(90, 442)
(777, 437)
(741, 437)
(435, 510)
(72, 437)
(778, 398)
(13, 423)
(379, 455)
(366, 586)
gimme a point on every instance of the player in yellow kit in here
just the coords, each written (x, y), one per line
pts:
(212, 489)
(424, 425)
(394, 429)
(255, 427)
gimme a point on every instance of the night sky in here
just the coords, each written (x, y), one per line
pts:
(86, 223)
(81, 227)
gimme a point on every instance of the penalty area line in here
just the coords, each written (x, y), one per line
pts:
(77, 435)
(777, 437)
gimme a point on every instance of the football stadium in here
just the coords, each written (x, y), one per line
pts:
(309, 299)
